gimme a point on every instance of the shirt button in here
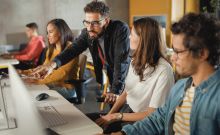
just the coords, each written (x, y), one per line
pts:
(171, 111)
(204, 90)
(181, 96)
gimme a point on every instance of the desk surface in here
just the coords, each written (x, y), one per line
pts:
(5, 62)
(77, 122)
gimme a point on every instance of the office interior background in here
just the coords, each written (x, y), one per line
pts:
(15, 14)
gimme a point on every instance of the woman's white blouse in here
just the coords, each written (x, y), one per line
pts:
(153, 91)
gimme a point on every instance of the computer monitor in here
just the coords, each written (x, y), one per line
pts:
(28, 121)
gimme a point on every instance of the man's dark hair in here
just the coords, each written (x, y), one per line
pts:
(32, 26)
(202, 31)
(97, 7)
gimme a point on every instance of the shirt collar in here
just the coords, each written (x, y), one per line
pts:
(205, 84)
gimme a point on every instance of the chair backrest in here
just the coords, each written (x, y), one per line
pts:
(32, 63)
(79, 83)
(22, 46)
(82, 65)
(42, 57)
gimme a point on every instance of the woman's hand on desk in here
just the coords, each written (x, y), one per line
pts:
(104, 121)
(31, 81)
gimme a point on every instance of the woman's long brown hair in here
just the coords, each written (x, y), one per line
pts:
(65, 34)
(149, 49)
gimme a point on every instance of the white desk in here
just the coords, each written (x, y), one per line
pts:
(5, 62)
(77, 122)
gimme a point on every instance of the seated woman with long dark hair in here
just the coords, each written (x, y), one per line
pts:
(60, 37)
(149, 80)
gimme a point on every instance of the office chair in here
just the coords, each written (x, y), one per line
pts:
(22, 46)
(80, 83)
(91, 67)
(33, 64)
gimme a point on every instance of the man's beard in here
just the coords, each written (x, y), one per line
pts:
(99, 35)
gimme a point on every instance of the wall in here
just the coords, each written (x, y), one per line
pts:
(151, 7)
(119, 9)
(15, 14)
(178, 9)
(182, 7)
(192, 6)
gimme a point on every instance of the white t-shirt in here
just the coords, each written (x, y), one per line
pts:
(154, 91)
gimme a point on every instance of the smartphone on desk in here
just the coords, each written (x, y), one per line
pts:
(100, 99)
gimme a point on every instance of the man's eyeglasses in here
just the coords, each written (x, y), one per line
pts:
(178, 53)
(94, 23)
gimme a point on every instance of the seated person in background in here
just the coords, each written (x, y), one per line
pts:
(32, 51)
(149, 81)
(60, 37)
(193, 104)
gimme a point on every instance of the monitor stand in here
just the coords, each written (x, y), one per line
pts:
(7, 125)
(7, 120)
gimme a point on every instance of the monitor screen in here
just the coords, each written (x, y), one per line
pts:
(27, 118)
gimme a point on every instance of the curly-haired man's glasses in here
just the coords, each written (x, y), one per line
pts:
(178, 53)
(94, 23)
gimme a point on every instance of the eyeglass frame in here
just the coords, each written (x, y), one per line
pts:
(92, 23)
(176, 52)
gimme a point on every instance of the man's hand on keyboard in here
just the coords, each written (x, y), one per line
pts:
(31, 81)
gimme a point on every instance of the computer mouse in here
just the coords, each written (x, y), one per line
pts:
(42, 96)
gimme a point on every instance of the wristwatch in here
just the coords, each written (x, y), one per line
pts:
(120, 116)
